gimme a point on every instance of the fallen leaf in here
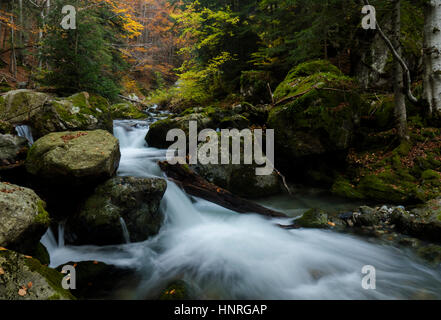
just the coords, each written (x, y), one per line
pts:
(332, 224)
(22, 292)
(3, 249)
(2, 271)
(28, 257)
(29, 284)
(173, 291)
(95, 262)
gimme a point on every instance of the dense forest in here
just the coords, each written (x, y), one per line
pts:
(350, 90)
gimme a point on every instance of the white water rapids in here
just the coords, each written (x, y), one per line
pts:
(230, 256)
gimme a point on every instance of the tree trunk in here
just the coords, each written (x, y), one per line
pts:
(432, 57)
(400, 99)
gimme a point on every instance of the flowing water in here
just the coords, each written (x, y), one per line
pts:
(225, 255)
(25, 132)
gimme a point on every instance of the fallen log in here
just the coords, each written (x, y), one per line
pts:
(197, 186)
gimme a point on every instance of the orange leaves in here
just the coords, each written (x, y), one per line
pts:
(2, 272)
(3, 249)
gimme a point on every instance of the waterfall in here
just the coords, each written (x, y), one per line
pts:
(25, 132)
(226, 255)
(124, 230)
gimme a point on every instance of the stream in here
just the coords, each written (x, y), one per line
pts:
(225, 255)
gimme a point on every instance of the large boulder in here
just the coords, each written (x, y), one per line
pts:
(239, 179)
(19, 106)
(78, 112)
(13, 150)
(23, 218)
(129, 200)
(25, 278)
(316, 113)
(315, 116)
(74, 158)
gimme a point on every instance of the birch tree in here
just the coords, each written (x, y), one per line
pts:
(432, 57)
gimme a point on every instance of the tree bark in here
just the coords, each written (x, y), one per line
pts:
(432, 57)
(197, 186)
(400, 99)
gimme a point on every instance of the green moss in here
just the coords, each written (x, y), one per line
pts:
(52, 276)
(431, 175)
(126, 111)
(42, 216)
(343, 188)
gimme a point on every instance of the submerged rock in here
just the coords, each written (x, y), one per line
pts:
(314, 218)
(25, 278)
(13, 150)
(74, 158)
(23, 218)
(136, 200)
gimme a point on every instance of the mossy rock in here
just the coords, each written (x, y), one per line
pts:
(431, 253)
(316, 114)
(18, 106)
(74, 158)
(24, 218)
(77, 112)
(314, 219)
(136, 200)
(410, 173)
(126, 110)
(41, 254)
(25, 278)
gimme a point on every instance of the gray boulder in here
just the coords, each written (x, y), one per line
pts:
(135, 200)
(23, 218)
(74, 158)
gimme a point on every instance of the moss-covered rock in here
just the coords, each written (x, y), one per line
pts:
(18, 106)
(25, 278)
(314, 218)
(77, 112)
(136, 200)
(97, 280)
(74, 158)
(126, 110)
(316, 113)
(23, 216)
(6, 127)
(409, 173)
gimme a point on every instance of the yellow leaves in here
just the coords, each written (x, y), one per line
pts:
(171, 292)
